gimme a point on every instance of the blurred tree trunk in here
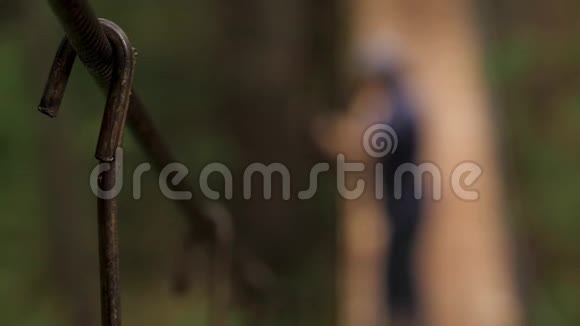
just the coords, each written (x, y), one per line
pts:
(466, 275)
(276, 61)
(364, 233)
(464, 261)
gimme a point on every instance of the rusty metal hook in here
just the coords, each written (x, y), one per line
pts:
(114, 118)
(110, 138)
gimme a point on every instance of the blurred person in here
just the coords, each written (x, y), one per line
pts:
(382, 79)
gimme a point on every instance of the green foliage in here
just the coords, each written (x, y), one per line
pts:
(541, 105)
